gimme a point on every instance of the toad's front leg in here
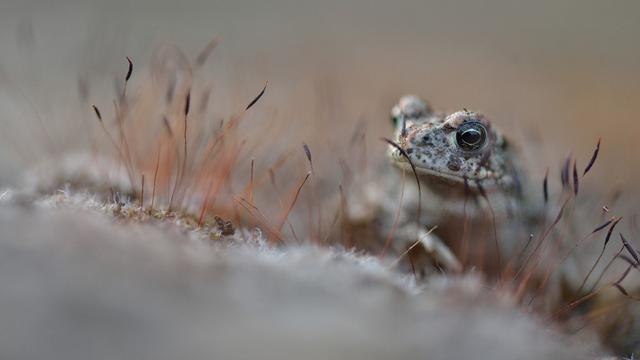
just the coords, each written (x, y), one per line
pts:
(440, 256)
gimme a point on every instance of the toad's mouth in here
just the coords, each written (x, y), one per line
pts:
(437, 176)
(422, 171)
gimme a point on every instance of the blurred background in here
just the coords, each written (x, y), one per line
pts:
(554, 75)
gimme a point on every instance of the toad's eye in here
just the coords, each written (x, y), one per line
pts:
(471, 136)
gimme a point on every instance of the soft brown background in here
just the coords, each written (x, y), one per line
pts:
(557, 73)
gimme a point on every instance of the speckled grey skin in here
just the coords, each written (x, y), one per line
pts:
(453, 179)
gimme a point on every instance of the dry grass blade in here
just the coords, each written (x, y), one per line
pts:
(593, 267)
(624, 275)
(519, 254)
(621, 289)
(129, 70)
(630, 249)
(204, 54)
(111, 139)
(559, 216)
(254, 212)
(413, 169)
(215, 183)
(285, 216)
(613, 225)
(602, 226)
(629, 261)
(546, 233)
(575, 178)
(255, 100)
(251, 183)
(167, 126)
(593, 158)
(574, 304)
(338, 214)
(272, 177)
(307, 152)
(98, 114)
(124, 155)
(606, 241)
(397, 260)
(155, 178)
(142, 193)
(564, 172)
(566, 256)
(187, 103)
(606, 268)
(545, 186)
(123, 95)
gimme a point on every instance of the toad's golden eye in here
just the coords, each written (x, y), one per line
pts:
(471, 136)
